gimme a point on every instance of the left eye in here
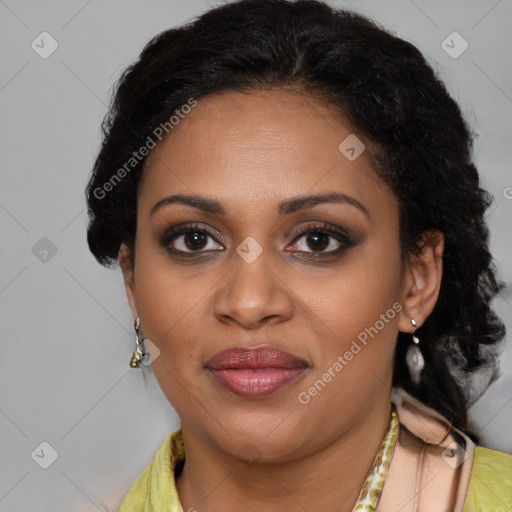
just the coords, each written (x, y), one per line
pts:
(320, 241)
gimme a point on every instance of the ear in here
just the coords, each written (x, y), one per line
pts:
(125, 262)
(422, 281)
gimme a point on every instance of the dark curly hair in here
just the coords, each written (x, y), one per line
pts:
(420, 145)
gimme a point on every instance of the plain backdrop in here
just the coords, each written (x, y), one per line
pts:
(67, 332)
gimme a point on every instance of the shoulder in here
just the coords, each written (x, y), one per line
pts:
(490, 484)
(154, 488)
(135, 499)
(454, 474)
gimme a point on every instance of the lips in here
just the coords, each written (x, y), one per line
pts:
(255, 372)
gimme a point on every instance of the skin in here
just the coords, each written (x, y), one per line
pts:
(250, 151)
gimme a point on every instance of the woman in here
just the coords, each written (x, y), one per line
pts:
(310, 280)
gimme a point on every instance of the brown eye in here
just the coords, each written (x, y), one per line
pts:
(189, 239)
(321, 240)
(317, 240)
(195, 241)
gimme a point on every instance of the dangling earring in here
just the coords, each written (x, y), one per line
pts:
(414, 357)
(140, 351)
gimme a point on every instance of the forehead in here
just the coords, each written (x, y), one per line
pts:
(257, 148)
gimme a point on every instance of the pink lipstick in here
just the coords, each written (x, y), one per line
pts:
(255, 372)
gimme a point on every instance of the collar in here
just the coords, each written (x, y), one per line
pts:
(432, 462)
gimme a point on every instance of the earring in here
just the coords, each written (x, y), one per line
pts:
(414, 357)
(140, 351)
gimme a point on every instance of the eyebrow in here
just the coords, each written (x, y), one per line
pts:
(287, 207)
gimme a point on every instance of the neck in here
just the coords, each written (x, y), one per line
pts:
(328, 479)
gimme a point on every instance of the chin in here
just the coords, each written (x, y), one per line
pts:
(264, 439)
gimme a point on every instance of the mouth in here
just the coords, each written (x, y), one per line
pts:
(255, 372)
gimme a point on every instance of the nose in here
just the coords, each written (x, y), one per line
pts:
(253, 294)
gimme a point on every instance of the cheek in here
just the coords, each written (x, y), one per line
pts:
(358, 291)
(171, 307)
(172, 315)
(355, 334)
(355, 315)
(173, 318)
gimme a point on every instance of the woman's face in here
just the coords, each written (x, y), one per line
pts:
(245, 273)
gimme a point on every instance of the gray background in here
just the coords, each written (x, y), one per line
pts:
(66, 328)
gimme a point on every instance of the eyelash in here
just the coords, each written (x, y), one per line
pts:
(323, 229)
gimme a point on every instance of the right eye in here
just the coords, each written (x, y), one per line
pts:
(189, 240)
